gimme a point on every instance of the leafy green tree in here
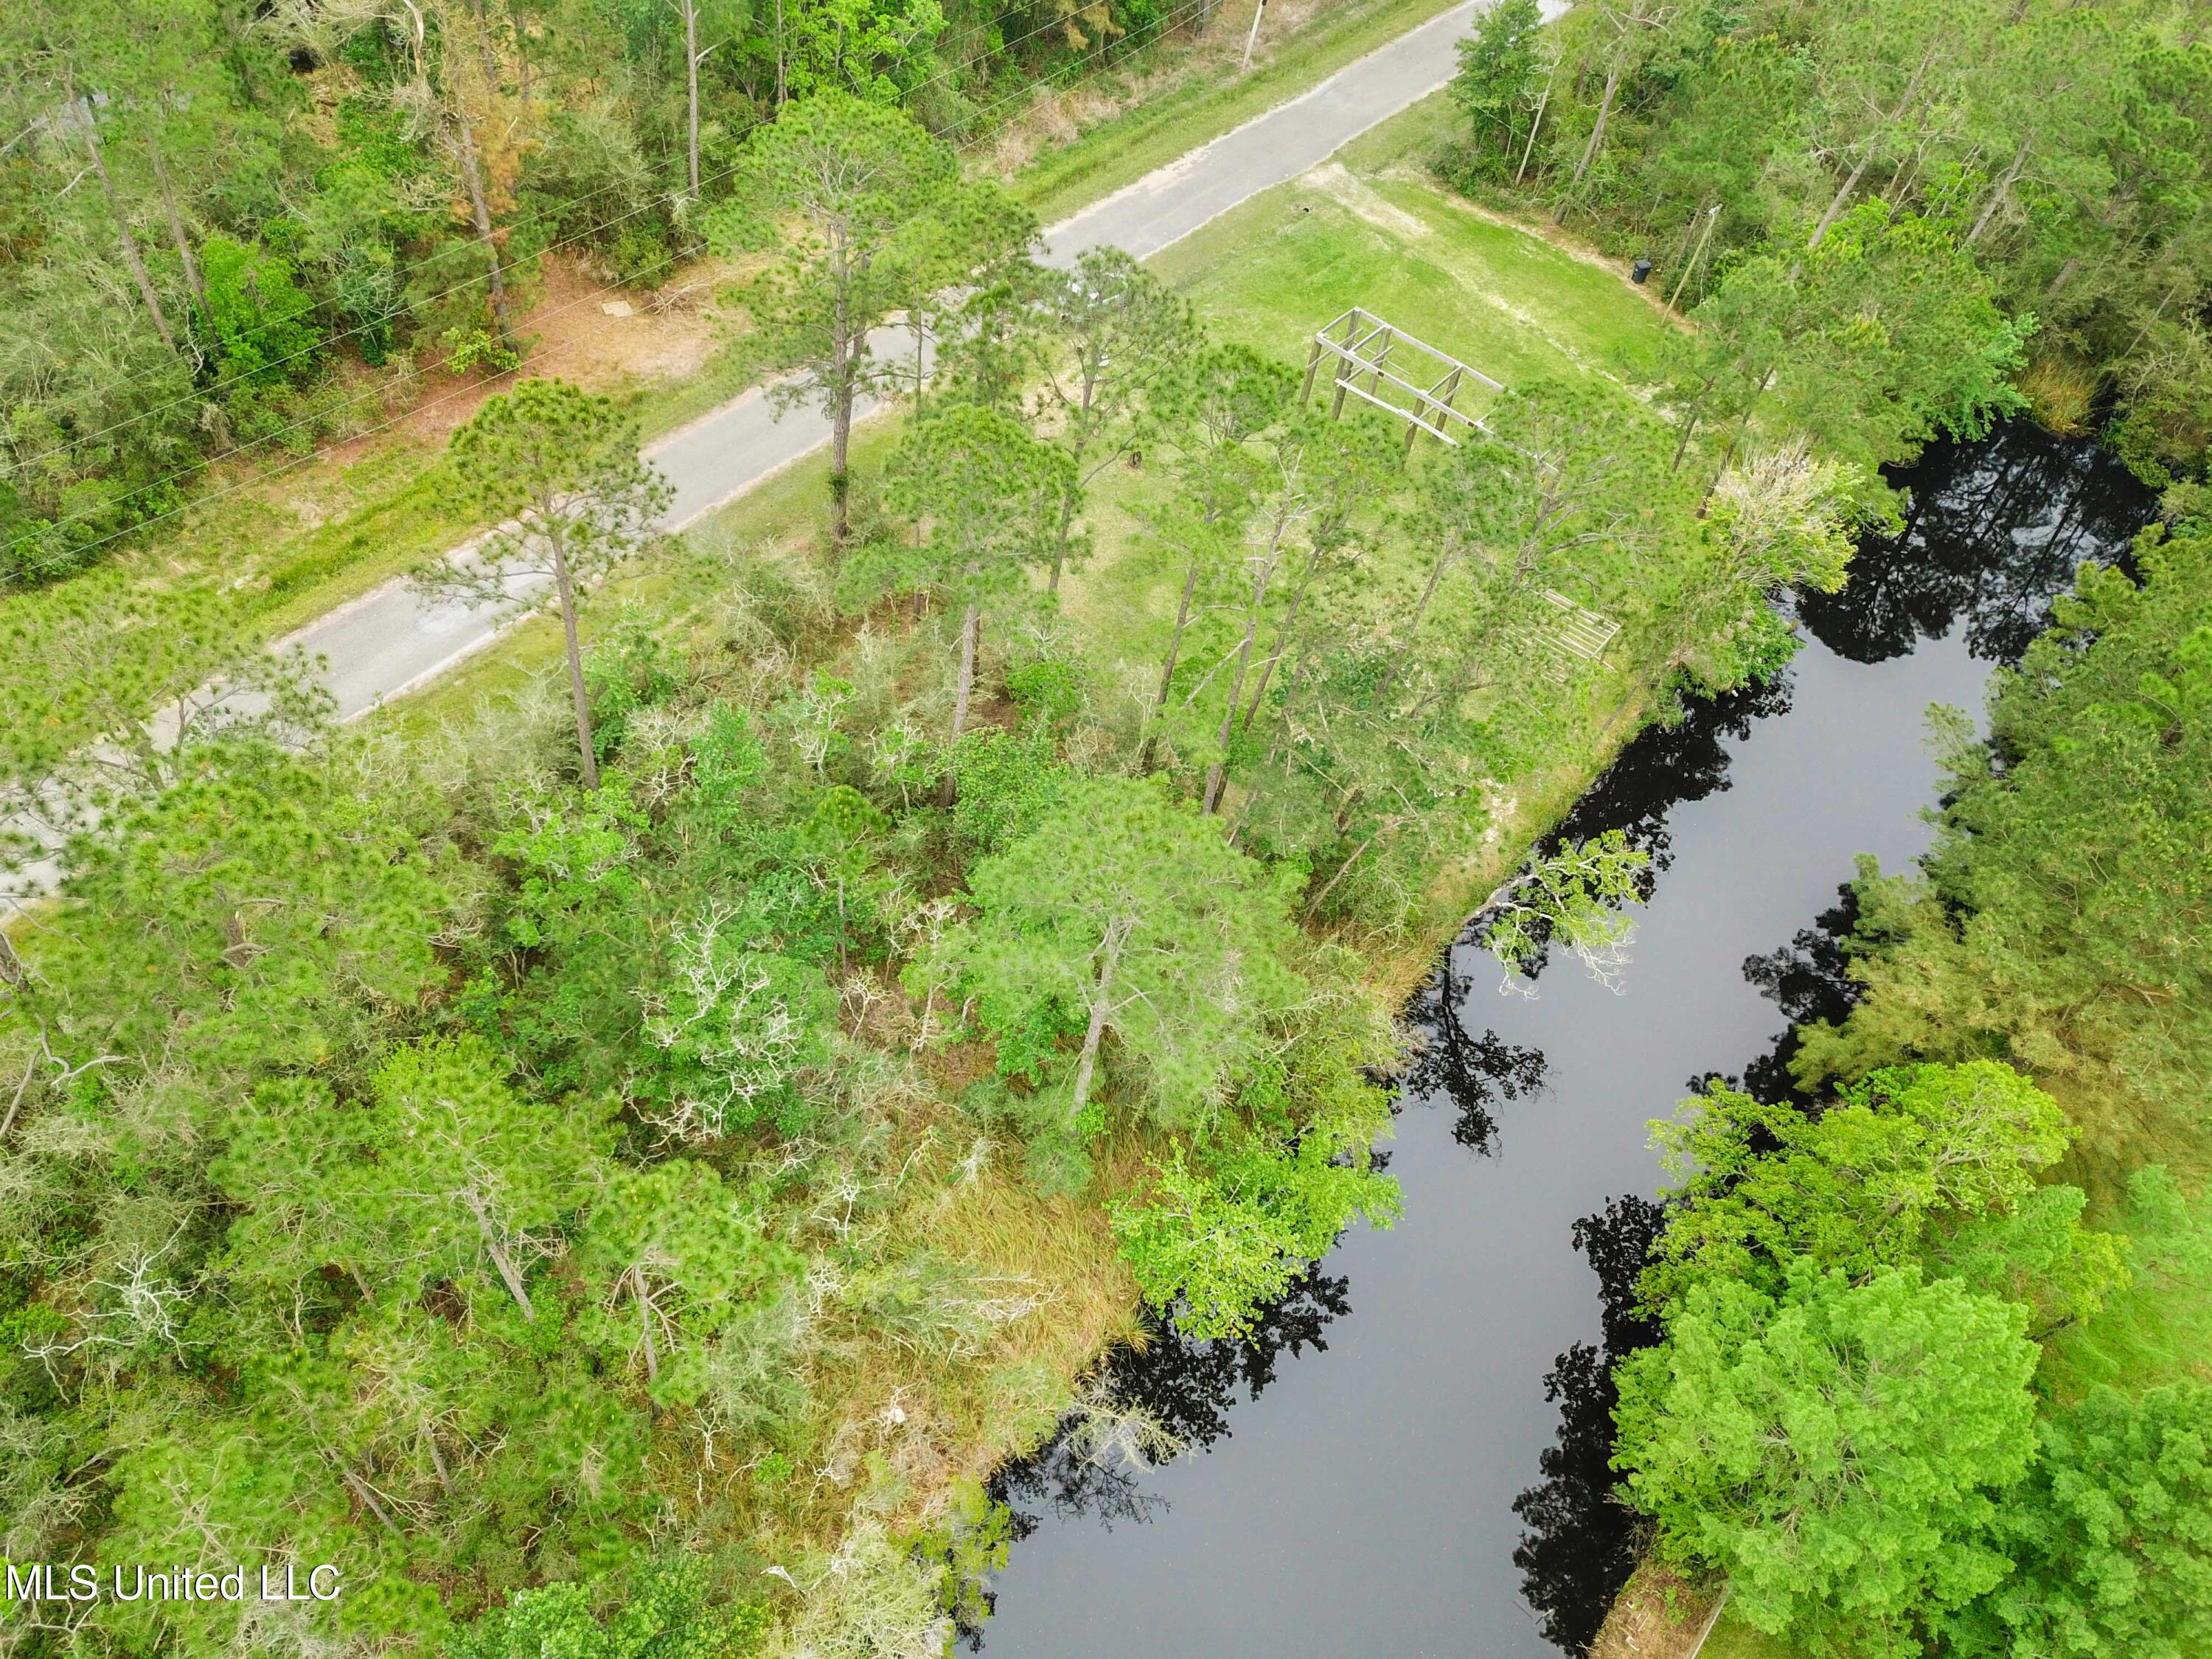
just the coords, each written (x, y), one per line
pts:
(261, 914)
(120, 688)
(2110, 1536)
(1618, 40)
(1129, 912)
(1105, 331)
(1856, 1188)
(1355, 463)
(1778, 519)
(1310, 478)
(835, 184)
(1883, 75)
(986, 495)
(1575, 476)
(454, 1169)
(671, 1259)
(664, 1615)
(2036, 1252)
(1218, 1236)
(1717, 374)
(735, 1030)
(1577, 897)
(1833, 1449)
(559, 469)
(1211, 405)
(261, 320)
(1222, 1226)
(877, 50)
(1501, 70)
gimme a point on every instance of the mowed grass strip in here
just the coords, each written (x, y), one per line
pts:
(1369, 227)
(1124, 148)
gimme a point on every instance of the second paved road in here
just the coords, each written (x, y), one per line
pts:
(392, 639)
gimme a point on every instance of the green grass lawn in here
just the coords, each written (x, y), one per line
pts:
(1211, 100)
(1370, 228)
(1732, 1638)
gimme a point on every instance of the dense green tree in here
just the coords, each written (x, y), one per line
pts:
(1125, 912)
(1502, 71)
(672, 1258)
(1834, 1448)
(453, 1170)
(1577, 898)
(558, 471)
(120, 687)
(666, 1616)
(835, 185)
(1220, 1234)
(2063, 149)
(1777, 521)
(877, 50)
(986, 497)
(1308, 480)
(256, 914)
(1106, 329)
(1211, 405)
(2110, 1536)
(735, 1029)
(1856, 1186)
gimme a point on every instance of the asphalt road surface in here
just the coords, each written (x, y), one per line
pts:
(392, 640)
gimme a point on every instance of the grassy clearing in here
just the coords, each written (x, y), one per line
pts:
(1207, 98)
(1369, 228)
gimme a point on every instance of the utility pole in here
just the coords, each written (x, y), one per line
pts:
(1712, 217)
(1251, 35)
(1534, 126)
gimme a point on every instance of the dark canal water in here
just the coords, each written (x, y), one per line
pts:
(1408, 1458)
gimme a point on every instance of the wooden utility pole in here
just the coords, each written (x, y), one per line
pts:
(1252, 35)
(691, 89)
(1535, 126)
(1712, 217)
(81, 108)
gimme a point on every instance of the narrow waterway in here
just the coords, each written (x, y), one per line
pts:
(1407, 1458)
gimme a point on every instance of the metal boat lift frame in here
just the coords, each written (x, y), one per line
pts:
(1364, 351)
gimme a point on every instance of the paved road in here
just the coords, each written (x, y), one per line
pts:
(392, 639)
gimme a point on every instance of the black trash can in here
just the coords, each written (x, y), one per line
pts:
(1638, 271)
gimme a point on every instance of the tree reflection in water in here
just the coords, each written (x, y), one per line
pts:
(1579, 1545)
(1667, 765)
(1472, 1072)
(1994, 529)
(1186, 1387)
(1807, 978)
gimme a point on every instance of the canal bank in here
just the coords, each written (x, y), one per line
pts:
(1407, 1456)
